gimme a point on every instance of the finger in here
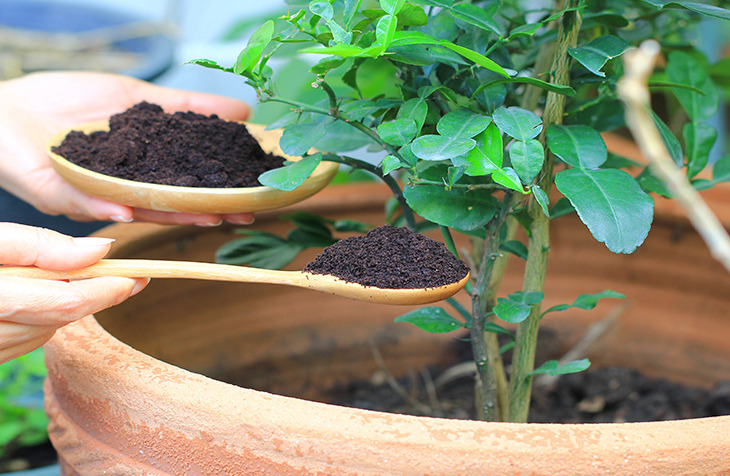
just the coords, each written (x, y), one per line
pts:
(57, 303)
(31, 246)
(239, 218)
(15, 351)
(13, 334)
(47, 188)
(170, 218)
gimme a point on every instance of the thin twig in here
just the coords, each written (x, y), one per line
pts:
(582, 348)
(397, 387)
(633, 91)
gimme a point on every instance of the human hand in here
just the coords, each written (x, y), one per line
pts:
(39, 105)
(31, 310)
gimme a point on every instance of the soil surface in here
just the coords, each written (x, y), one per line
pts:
(598, 395)
(184, 149)
(391, 258)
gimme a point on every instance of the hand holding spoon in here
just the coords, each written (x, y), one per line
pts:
(222, 272)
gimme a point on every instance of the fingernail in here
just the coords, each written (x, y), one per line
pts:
(139, 285)
(93, 241)
(241, 221)
(121, 219)
(208, 224)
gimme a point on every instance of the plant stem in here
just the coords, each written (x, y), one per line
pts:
(389, 181)
(538, 246)
(490, 389)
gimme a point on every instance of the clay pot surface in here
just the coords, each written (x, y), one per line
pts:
(142, 389)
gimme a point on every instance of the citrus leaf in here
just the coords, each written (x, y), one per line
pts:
(611, 203)
(517, 122)
(436, 147)
(527, 158)
(431, 319)
(456, 208)
(553, 367)
(291, 176)
(586, 301)
(596, 53)
(580, 146)
(399, 132)
(462, 123)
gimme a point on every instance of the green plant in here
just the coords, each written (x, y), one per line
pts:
(478, 109)
(23, 421)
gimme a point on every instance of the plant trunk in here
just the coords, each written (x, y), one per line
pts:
(539, 237)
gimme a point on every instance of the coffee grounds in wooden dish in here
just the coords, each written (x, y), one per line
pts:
(390, 258)
(186, 149)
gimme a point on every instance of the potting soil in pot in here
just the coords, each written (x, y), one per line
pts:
(390, 257)
(185, 149)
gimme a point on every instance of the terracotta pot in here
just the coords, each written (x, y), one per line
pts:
(140, 389)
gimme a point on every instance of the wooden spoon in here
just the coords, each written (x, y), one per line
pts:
(222, 272)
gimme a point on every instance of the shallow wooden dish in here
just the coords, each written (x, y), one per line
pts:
(171, 198)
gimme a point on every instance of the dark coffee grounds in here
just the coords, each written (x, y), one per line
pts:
(391, 258)
(184, 149)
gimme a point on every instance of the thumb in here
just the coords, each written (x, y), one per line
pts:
(31, 246)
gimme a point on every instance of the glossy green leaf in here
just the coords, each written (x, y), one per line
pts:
(399, 132)
(561, 208)
(322, 8)
(327, 64)
(476, 16)
(297, 140)
(431, 319)
(454, 174)
(515, 247)
(392, 7)
(527, 158)
(517, 306)
(555, 88)
(721, 170)
(487, 156)
(699, 139)
(351, 8)
(435, 3)
(596, 53)
(251, 54)
(553, 367)
(412, 15)
(477, 58)
(390, 163)
(703, 8)
(462, 123)
(436, 147)
(385, 30)
(670, 141)
(542, 199)
(685, 69)
(415, 109)
(206, 63)
(517, 122)
(508, 178)
(580, 146)
(339, 34)
(291, 176)
(456, 208)
(587, 301)
(612, 205)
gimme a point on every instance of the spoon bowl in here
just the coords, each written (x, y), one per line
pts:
(223, 272)
(170, 198)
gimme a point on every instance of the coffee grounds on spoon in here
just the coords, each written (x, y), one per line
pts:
(186, 149)
(390, 258)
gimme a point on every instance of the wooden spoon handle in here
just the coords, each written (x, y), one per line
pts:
(129, 268)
